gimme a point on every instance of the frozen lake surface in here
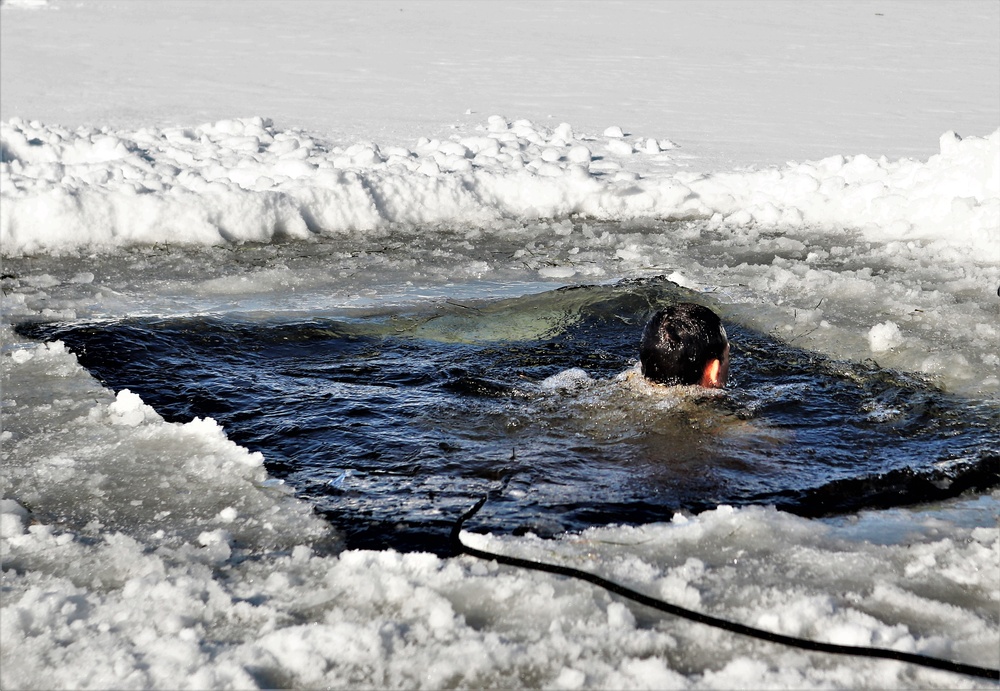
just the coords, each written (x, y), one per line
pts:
(272, 319)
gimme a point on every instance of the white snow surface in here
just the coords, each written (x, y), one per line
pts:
(144, 554)
(243, 180)
(731, 82)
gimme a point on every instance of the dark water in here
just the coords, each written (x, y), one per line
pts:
(394, 421)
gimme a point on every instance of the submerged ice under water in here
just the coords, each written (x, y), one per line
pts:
(393, 419)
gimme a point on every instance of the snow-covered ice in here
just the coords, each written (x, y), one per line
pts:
(802, 166)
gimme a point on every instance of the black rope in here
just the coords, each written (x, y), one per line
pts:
(804, 644)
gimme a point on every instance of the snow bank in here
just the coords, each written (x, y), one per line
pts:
(246, 181)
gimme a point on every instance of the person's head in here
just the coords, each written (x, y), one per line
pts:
(685, 344)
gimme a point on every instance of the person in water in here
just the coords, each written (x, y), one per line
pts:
(684, 345)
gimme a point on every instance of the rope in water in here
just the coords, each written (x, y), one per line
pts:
(802, 643)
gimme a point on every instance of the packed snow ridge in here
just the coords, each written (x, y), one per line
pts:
(244, 180)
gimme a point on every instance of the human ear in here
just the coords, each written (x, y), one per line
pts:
(711, 378)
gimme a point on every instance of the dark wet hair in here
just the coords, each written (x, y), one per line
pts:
(679, 341)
